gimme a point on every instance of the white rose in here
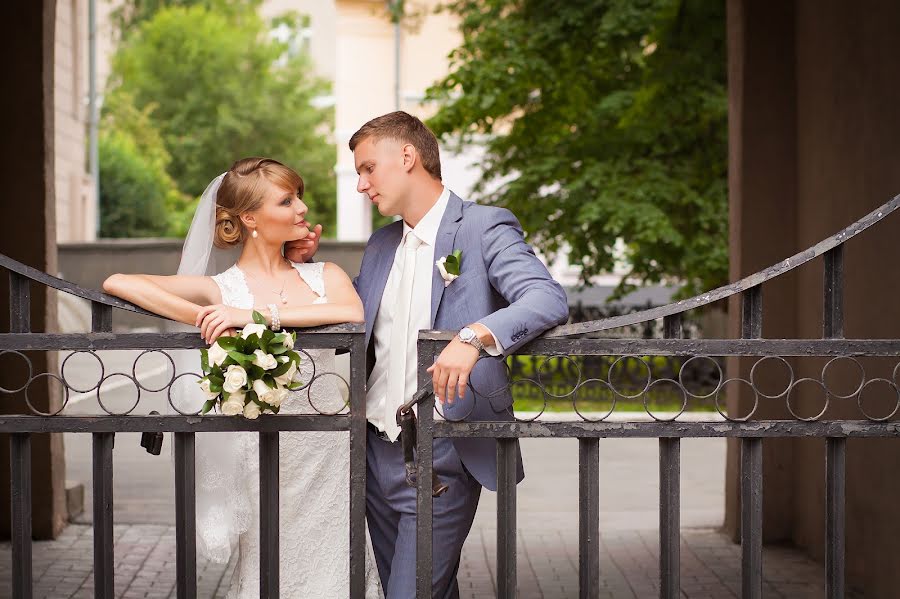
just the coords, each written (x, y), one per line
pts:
(231, 407)
(204, 386)
(240, 396)
(253, 329)
(278, 396)
(235, 378)
(286, 378)
(251, 411)
(264, 360)
(263, 391)
(288, 340)
(448, 278)
(217, 354)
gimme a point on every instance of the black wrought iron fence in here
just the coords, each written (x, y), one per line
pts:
(20, 343)
(573, 366)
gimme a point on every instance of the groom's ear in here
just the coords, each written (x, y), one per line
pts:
(410, 156)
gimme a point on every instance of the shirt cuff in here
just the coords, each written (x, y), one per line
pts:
(497, 348)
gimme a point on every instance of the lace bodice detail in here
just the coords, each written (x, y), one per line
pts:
(235, 291)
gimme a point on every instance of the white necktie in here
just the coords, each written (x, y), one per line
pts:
(397, 391)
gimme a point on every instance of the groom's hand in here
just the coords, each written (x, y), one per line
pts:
(301, 250)
(450, 372)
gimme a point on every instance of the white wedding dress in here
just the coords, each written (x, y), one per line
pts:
(314, 483)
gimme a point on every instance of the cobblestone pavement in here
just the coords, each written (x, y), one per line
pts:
(547, 566)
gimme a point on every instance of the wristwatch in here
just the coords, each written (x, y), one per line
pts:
(468, 335)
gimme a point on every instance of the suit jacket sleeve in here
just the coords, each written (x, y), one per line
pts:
(536, 301)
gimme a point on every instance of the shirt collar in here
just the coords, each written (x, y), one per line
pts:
(427, 229)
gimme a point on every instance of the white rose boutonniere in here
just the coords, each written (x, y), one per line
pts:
(449, 266)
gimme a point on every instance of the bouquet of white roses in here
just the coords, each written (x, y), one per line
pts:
(250, 373)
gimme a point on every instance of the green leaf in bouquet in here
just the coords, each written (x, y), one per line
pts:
(295, 385)
(274, 409)
(204, 361)
(242, 359)
(277, 349)
(227, 343)
(208, 405)
(251, 396)
(254, 373)
(270, 381)
(268, 335)
(258, 318)
(281, 369)
(215, 386)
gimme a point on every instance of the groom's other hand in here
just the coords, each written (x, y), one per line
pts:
(302, 250)
(450, 372)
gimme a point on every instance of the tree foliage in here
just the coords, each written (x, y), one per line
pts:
(602, 120)
(218, 86)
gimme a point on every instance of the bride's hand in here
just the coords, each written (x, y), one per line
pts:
(218, 319)
(302, 250)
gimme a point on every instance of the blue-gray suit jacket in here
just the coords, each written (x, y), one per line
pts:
(501, 284)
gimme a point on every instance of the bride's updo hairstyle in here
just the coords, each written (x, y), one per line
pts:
(242, 190)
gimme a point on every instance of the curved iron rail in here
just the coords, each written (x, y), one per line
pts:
(731, 289)
(98, 297)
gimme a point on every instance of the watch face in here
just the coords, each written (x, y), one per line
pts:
(466, 334)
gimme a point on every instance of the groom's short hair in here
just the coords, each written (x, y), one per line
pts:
(406, 129)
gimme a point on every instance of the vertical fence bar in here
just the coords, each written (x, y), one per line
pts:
(101, 318)
(358, 466)
(833, 321)
(185, 517)
(268, 516)
(670, 497)
(751, 313)
(19, 303)
(424, 467)
(835, 481)
(751, 518)
(506, 518)
(104, 573)
(20, 499)
(589, 518)
(669, 518)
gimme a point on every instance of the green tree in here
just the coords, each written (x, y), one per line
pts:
(128, 15)
(602, 120)
(219, 86)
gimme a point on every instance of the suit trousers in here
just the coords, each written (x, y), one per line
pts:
(391, 516)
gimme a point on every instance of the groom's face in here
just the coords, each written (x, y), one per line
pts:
(382, 174)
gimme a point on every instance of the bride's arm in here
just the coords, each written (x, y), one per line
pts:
(178, 297)
(343, 304)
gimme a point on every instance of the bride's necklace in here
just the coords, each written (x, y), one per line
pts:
(280, 293)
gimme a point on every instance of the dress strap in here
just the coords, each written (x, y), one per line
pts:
(314, 275)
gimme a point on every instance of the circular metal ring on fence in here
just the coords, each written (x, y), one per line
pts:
(499, 390)
(725, 413)
(753, 373)
(613, 367)
(172, 386)
(137, 399)
(544, 396)
(134, 370)
(438, 406)
(30, 371)
(612, 394)
(891, 384)
(684, 367)
(309, 388)
(894, 374)
(791, 408)
(312, 376)
(862, 381)
(684, 400)
(65, 387)
(540, 372)
(62, 371)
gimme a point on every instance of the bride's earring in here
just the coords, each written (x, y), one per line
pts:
(255, 234)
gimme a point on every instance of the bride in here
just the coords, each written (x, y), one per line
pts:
(254, 209)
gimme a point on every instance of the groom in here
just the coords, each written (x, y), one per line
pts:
(502, 298)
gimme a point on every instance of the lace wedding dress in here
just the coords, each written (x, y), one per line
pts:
(314, 484)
